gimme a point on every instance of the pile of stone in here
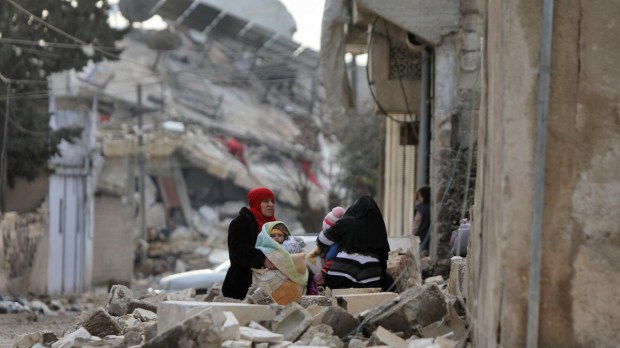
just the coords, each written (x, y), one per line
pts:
(421, 314)
(47, 305)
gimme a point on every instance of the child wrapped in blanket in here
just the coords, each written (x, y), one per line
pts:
(281, 234)
(288, 282)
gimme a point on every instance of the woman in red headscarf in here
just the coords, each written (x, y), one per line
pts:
(242, 234)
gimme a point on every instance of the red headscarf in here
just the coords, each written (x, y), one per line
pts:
(255, 197)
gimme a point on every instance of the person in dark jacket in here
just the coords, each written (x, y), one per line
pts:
(361, 261)
(242, 234)
(422, 219)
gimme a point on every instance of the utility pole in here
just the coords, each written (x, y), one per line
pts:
(5, 134)
(141, 165)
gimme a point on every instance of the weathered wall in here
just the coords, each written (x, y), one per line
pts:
(581, 241)
(23, 239)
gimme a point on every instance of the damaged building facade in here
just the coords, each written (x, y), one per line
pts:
(540, 245)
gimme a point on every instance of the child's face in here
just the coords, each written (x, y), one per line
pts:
(278, 235)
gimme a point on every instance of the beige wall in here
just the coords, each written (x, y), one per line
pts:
(581, 242)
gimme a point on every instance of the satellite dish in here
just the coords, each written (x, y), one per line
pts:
(137, 10)
(164, 40)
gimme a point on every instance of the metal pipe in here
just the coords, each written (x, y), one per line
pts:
(544, 72)
(141, 165)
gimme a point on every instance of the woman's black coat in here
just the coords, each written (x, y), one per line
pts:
(242, 234)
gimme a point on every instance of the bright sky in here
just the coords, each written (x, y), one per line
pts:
(308, 15)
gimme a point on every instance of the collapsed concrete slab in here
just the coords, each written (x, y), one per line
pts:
(173, 312)
(414, 308)
(358, 303)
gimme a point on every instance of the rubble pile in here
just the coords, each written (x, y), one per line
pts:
(420, 316)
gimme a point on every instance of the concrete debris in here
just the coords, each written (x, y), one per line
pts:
(372, 318)
(120, 296)
(320, 335)
(291, 321)
(101, 324)
(30, 339)
(341, 321)
(414, 308)
(404, 268)
(385, 337)
(144, 315)
(134, 304)
(434, 280)
(458, 270)
(69, 340)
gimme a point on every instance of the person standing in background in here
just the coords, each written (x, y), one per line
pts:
(422, 219)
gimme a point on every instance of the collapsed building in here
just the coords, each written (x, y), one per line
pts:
(175, 134)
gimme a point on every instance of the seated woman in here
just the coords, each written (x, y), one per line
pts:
(361, 261)
(288, 282)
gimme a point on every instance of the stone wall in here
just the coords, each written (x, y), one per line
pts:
(581, 238)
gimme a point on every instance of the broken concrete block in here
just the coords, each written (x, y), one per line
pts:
(101, 324)
(283, 344)
(322, 330)
(119, 298)
(69, 340)
(458, 271)
(127, 321)
(257, 326)
(414, 308)
(357, 343)
(133, 337)
(341, 321)
(384, 336)
(215, 290)
(171, 313)
(307, 301)
(262, 345)
(113, 341)
(255, 335)
(183, 295)
(445, 342)
(404, 268)
(230, 328)
(259, 296)
(144, 315)
(291, 321)
(422, 343)
(200, 330)
(150, 330)
(237, 344)
(357, 303)
(353, 291)
(28, 340)
(451, 322)
(317, 313)
(433, 280)
(149, 306)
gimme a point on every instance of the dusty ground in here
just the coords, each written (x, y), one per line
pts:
(14, 325)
